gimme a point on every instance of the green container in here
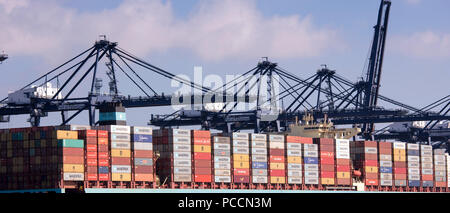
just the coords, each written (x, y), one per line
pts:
(71, 143)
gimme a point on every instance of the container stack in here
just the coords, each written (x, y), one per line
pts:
(17, 158)
(440, 168)
(365, 159)
(222, 159)
(385, 156)
(241, 159)
(120, 146)
(104, 163)
(43, 152)
(276, 159)
(400, 174)
(112, 114)
(343, 176)
(326, 150)
(311, 163)
(413, 164)
(175, 161)
(447, 158)
(426, 158)
(142, 149)
(72, 153)
(259, 158)
(201, 146)
(91, 153)
(294, 160)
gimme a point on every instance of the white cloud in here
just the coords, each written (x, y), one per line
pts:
(423, 45)
(215, 30)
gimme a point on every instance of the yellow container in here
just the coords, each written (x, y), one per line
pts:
(62, 134)
(327, 181)
(241, 164)
(277, 179)
(202, 148)
(120, 176)
(345, 175)
(277, 166)
(240, 157)
(399, 158)
(399, 152)
(294, 159)
(371, 169)
(120, 153)
(77, 168)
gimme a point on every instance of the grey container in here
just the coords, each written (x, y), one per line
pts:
(297, 153)
(311, 154)
(295, 173)
(259, 158)
(182, 155)
(414, 171)
(259, 151)
(385, 163)
(297, 146)
(413, 164)
(142, 146)
(259, 172)
(294, 166)
(427, 184)
(386, 182)
(386, 176)
(222, 179)
(413, 159)
(182, 178)
(259, 179)
(222, 172)
(413, 177)
(311, 167)
(182, 170)
(221, 159)
(310, 147)
(311, 181)
(295, 180)
(311, 174)
(239, 150)
(259, 144)
(180, 140)
(181, 148)
(181, 163)
(427, 165)
(120, 169)
(221, 152)
(222, 146)
(222, 166)
(120, 145)
(400, 182)
(240, 143)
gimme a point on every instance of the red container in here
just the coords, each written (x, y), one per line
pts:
(327, 167)
(440, 184)
(343, 168)
(87, 133)
(143, 169)
(103, 148)
(241, 179)
(324, 141)
(143, 154)
(90, 141)
(143, 177)
(326, 154)
(202, 156)
(91, 162)
(200, 134)
(201, 141)
(326, 148)
(292, 139)
(400, 170)
(91, 147)
(92, 177)
(73, 151)
(304, 140)
(398, 164)
(92, 170)
(368, 156)
(326, 174)
(327, 160)
(73, 159)
(427, 177)
(103, 177)
(103, 162)
(103, 155)
(120, 161)
(341, 181)
(371, 182)
(342, 161)
(277, 152)
(203, 171)
(202, 178)
(371, 163)
(241, 172)
(202, 163)
(276, 159)
(371, 175)
(102, 134)
(278, 172)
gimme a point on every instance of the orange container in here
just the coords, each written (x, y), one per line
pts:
(143, 177)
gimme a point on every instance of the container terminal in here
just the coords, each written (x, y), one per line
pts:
(296, 146)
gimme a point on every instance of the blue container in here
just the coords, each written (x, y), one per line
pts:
(386, 169)
(259, 165)
(413, 152)
(311, 160)
(142, 138)
(427, 184)
(414, 183)
(112, 116)
(103, 170)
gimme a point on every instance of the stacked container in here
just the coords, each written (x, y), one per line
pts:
(175, 161)
(447, 157)
(72, 154)
(385, 156)
(426, 159)
(241, 159)
(222, 160)
(294, 159)
(104, 163)
(120, 146)
(259, 158)
(142, 149)
(343, 176)
(311, 163)
(112, 114)
(413, 164)
(91, 153)
(201, 146)
(276, 159)
(326, 152)
(365, 159)
(440, 172)
(400, 169)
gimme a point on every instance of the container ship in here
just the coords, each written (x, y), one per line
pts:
(135, 159)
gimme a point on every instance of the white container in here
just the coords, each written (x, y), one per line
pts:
(413, 171)
(413, 146)
(311, 167)
(180, 132)
(296, 146)
(240, 143)
(240, 150)
(399, 145)
(222, 166)
(370, 150)
(181, 163)
(311, 181)
(259, 158)
(259, 151)
(222, 159)
(222, 172)
(182, 170)
(142, 130)
(413, 177)
(120, 169)
(310, 147)
(294, 173)
(73, 176)
(295, 180)
(276, 145)
(238, 135)
(413, 159)
(259, 179)
(311, 153)
(426, 147)
(222, 146)
(294, 166)
(259, 144)
(385, 163)
(311, 174)
(259, 137)
(222, 179)
(115, 129)
(120, 145)
(142, 146)
(297, 153)
(343, 155)
(276, 138)
(182, 155)
(180, 140)
(342, 142)
(181, 148)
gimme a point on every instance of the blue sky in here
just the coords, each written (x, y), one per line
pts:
(299, 35)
